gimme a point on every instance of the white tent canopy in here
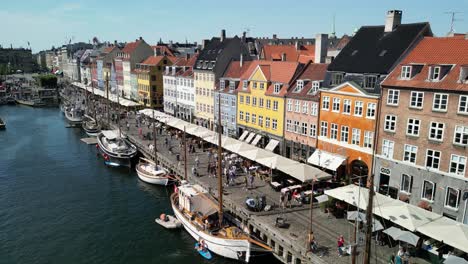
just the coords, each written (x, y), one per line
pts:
(300, 171)
(406, 215)
(451, 232)
(112, 97)
(326, 160)
(358, 196)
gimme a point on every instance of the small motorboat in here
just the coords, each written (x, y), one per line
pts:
(168, 221)
(91, 127)
(203, 251)
(74, 116)
(115, 150)
(2, 124)
(152, 173)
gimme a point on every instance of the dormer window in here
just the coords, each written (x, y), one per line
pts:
(464, 74)
(232, 85)
(222, 84)
(405, 72)
(315, 86)
(245, 84)
(370, 81)
(262, 86)
(337, 78)
(300, 84)
(277, 88)
(434, 73)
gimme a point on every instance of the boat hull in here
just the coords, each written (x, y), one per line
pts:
(73, 120)
(114, 159)
(146, 177)
(92, 132)
(238, 249)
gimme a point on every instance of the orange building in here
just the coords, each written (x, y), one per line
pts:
(347, 122)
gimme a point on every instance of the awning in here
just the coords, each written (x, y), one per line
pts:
(406, 215)
(451, 232)
(256, 140)
(272, 144)
(326, 160)
(250, 137)
(244, 135)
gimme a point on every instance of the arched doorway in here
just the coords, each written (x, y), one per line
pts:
(359, 168)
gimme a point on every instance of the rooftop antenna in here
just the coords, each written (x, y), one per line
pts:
(333, 33)
(452, 20)
(247, 30)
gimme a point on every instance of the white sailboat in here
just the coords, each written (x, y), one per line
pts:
(150, 172)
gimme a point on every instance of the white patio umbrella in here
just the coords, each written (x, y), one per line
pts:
(359, 216)
(451, 259)
(402, 235)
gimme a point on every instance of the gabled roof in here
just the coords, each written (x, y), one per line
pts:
(162, 50)
(234, 71)
(371, 50)
(449, 52)
(303, 53)
(312, 72)
(131, 46)
(155, 60)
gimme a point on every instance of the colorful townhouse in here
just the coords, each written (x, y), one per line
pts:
(150, 80)
(423, 129)
(104, 64)
(212, 62)
(133, 53)
(260, 103)
(170, 86)
(185, 94)
(227, 89)
(301, 114)
(350, 97)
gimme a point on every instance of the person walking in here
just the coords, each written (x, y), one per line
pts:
(197, 161)
(340, 244)
(282, 198)
(288, 199)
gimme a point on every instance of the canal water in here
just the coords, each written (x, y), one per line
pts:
(60, 204)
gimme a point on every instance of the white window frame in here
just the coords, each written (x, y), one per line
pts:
(304, 127)
(433, 72)
(274, 124)
(247, 117)
(358, 108)
(463, 109)
(347, 106)
(262, 85)
(260, 121)
(433, 156)
(415, 127)
(334, 131)
(254, 119)
(447, 193)
(245, 84)
(289, 125)
(260, 102)
(356, 137)
(324, 129)
(313, 130)
(368, 139)
(315, 86)
(254, 101)
(463, 131)
(410, 183)
(393, 97)
(336, 105)
(415, 99)
(275, 105)
(371, 110)
(390, 121)
(326, 103)
(406, 72)
(290, 105)
(314, 108)
(299, 85)
(459, 161)
(305, 107)
(440, 108)
(277, 88)
(241, 115)
(344, 134)
(296, 126)
(268, 104)
(267, 122)
(297, 106)
(388, 148)
(438, 131)
(410, 149)
(423, 192)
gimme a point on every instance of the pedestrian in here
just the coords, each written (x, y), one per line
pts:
(288, 198)
(246, 183)
(197, 161)
(340, 244)
(166, 142)
(128, 126)
(251, 180)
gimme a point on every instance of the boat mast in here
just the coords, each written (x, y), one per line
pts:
(185, 156)
(108, 102)
(154, 136)
(220, 178)
(94, 103)
(367, 251)
(118, 113)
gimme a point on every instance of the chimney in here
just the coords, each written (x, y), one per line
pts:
(274, 36)
(141, 38)
(296, 44)
(115, 43)
(241, 61)
(283, 56)
(392, 20)
(187, 56)
(170, 43)
(204, 43)
(223, 35)
(321, 47)
(244, 34)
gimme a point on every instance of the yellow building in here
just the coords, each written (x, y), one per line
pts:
(204, 98)
(150, 80)
(260, 102)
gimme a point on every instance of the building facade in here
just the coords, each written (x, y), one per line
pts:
(150, 80)
(423, 132)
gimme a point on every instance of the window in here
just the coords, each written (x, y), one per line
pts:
(387, 148)
(390, 123)
(254, 118)
(254, 85)
(463, 104)
(440, 102)
(336, 104)
(299, 86)
(304, 129)
(334, 131)
(297, 106)
(262, 86)
(275, 105)
(461, 135)
(247, 117)
(326, 103)
(313, 130)
(289, 125)
(368, 139)
(417, 100)
(323, 129)
(260, 121)
(370, 81)
(241, 99)
(406, 183)
(247, 100)
(296, 127)
(409, 154)
(358, 105)
(457, 165)
(241, 115)
(314, 109)
(371, 110)
(274, 124)
(452, 197)
(232, 85)
(305, 107)
(277, 88)
(405, 72)
(432, 159)
(268, 104)
(356, 137)
(289, 105)
(260, 102)
(344, 134)
(267, 122)
(245, 84)
(315, 86)
(434, 73)
(412, 128)
(393, 97)
(254, 101)
(336, 78)
(436, 131)
(428, 191)
(222, 84)
(346, 106)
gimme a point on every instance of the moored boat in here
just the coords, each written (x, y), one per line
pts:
(91, 127)
(74, 116)
(152, 173)
(2, 124)
(10, 100)
(115, 150)
(33, 103)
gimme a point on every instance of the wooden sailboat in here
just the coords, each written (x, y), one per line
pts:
(90, 125)
(203, 218)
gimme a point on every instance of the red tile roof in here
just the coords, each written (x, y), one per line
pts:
(429, 52)
(303, 54)
(163, 50)
(154, 60)
(131, 46)
(311, 72)
(234, 71)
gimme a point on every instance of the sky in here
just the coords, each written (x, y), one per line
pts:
(47, 23)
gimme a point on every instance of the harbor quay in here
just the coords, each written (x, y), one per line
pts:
(289, 245)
